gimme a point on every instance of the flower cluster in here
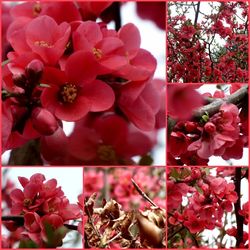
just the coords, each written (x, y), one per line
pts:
(213, 47)
(123, 190)
(198, 200)
(43, 209)
(80, 71)
(196, 136)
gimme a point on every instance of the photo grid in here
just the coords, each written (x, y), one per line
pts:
(125, 124)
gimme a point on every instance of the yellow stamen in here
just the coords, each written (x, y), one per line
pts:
(68, 93)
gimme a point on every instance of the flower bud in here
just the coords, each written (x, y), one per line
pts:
(190, 126)
(210, 127)
(43, 121)
(34, 70)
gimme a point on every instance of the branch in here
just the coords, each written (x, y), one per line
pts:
(214, 107)
(19, 220)
(237, 205)
(143, 194)
(197, 13)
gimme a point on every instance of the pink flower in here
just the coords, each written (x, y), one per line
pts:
(88, 37)
(194, 224)
(220, 132)
(43, 121)
(32, 222)
(92, 10)
(49, 45)
(71, 94)
(108, 140)
(25, 200)
(141, 102)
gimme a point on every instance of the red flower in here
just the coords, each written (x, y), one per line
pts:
(72, 94)
(25, 200)
(49, 45)
(109, 139)
(88, 37)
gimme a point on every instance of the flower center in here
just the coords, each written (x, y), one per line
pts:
(97, 53)
(106, 153)
(27, 202)
(68, 93)
(43, 44)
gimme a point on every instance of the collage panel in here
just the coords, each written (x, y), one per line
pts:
(207, 125)
(207, 41)
(91, 91)
(41, 208)
(207, 207)
(125, 207)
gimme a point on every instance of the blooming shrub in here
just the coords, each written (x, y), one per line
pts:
(206, 199)
(207, 42)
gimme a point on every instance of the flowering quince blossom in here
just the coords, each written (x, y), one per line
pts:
(201, 202)
(107, 139)
(122, 190)
(43, 205)
(198, 133)
(79, 68)
(195, 50)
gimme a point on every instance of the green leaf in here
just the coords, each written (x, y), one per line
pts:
(27, 244)
(5, 62)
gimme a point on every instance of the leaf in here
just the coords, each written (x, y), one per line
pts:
(27, 244)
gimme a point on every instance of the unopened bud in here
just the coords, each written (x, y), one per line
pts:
(34, 70)
(190, 126)
(210, 127)
(43, 121)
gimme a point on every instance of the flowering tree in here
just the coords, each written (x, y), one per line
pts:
(126, 212)
(39, 215)
(63, 66)
(201, 199)
(207, 42)
(204, 125)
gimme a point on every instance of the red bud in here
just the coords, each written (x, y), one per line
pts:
(43, 121)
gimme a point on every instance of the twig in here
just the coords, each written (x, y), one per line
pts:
(92, 223)
(112, 239)
(19, 220)
(143, 194)
(176, 232)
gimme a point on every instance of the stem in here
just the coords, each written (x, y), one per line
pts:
(19, 219)
(143, 194)
(237, 205)
(117, 15)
